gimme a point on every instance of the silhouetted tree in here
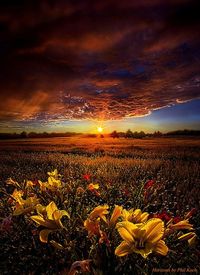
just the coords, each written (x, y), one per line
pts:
(129, 134)
(23, 134)
(114, 134)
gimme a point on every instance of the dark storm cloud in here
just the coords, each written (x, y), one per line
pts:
(96, 59)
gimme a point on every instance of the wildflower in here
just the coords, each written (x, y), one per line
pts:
(149, 184)
(29, 184)
(54, 174)
(87, 177)
(17, 195)
(143, 239)
(92, 224)
(25, 206)
(135, 216)
(115, 215)
(54, 183)
(50, 217)
(93, 188)
(181, 225)
(99, 211)
(163, 216)
(93, 227)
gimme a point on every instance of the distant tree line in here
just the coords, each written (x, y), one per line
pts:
(128, 134)
(142, 134)
(36, 135)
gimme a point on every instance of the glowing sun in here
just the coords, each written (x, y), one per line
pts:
(100, 129)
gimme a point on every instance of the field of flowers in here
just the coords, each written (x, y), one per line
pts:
(100, 206)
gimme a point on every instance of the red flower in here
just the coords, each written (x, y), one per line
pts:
(149, 184)
(126, 192)
(163, 216)
(87, 176)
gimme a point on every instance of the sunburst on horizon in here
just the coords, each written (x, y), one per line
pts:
(100, 129)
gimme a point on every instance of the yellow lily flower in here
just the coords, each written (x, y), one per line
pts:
(181, 225)
(135, 216)
(25, 206)
(99, 211)
(54, 183)
(29, 184)
(143, 239)
(115, 215)
(17, 196)
(54, 174)
(49, 217)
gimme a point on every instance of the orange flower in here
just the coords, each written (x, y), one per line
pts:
(92, 227)
(181, 225)
(93, 188)
(99, 211)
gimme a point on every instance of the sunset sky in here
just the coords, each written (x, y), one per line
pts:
(77, 65)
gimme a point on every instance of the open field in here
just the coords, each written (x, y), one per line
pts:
(121, 167)
(172, 162)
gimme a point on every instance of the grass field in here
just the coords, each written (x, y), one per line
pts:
(121, 167)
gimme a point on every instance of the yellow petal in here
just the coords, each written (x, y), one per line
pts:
(99, 211)
(154, 230)
(182, 225)
(58, 214)
(44, 235)
(51, 207)
(125, 234)
(123, 249)
(115, 215)
(131, 227)
(161, 248)
(137, 213)
(144, 217)
(41, 221)
(41, 210)
(127, 215)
